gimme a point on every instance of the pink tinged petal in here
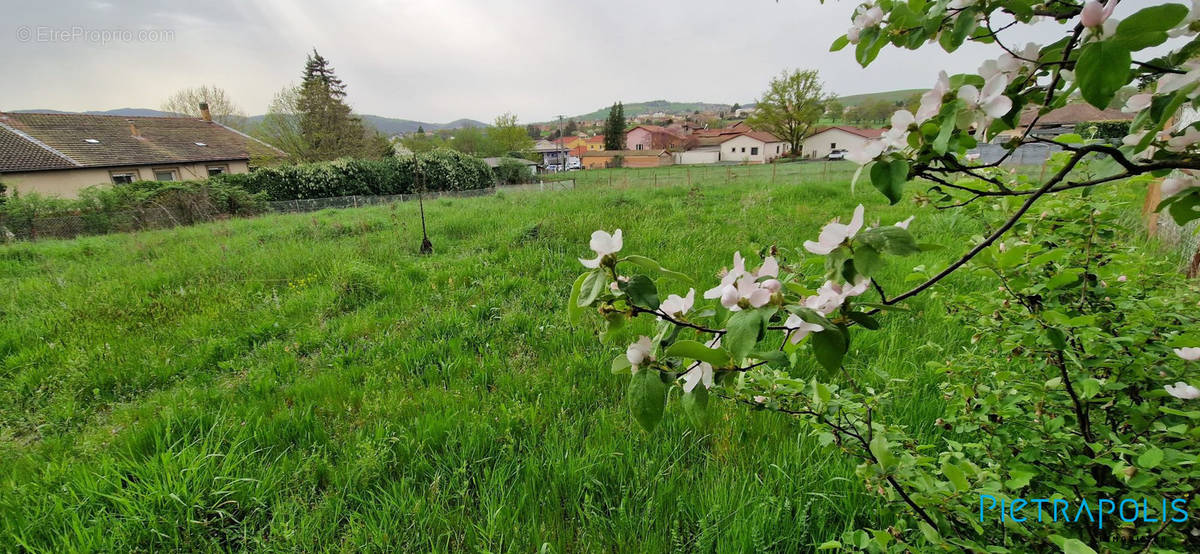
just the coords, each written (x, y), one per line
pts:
(868, 152)
(818, 248)
(1122, 279)
(856, 222)
(969, 94)
(714, 292)
(730, 296)
(1182, 391)
(997, 107)
(759, 297)
(639, 351)
(770, 267)
(1190, 354)
(1137, 103)
(902, 119)
(852, 34)
(1092, 15)
(772, 285)
(600, 242)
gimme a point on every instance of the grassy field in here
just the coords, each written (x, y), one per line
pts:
(310, 382)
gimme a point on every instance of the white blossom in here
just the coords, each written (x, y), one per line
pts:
(862, 155)
(639, 352)
(1094, 15)
(904, 224)
(931, 101)
(1137, 102)
(834, 233)
(864, 17)
(603, 244)
(798, 328)
(702, 373)
(897, 136)
(990, 102)
(1183, 391)
(676, 305)
(1190, 354)
(1172, 82)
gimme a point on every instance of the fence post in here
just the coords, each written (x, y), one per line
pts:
(1153, 197)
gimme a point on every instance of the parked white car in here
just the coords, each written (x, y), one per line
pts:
(837, 154)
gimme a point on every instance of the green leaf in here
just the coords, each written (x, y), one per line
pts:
(642, 291)
(879, 448)
(574, 310)
(621, 365)
(839, 43)
(1150, 458)
(696, 406)
(593, 284)
(889, 178)
(742, 332)
(956, 477)
(1067, 277)
(651, 265)
(698, 351)
(1076, 546)
(1102, 69)
(867, 260)
(890, 239)
(647, 398)
(930, 533)
(1089, 388)
(863, 319)
(830, 545)
(942, 141)
(1148, 27)
(963, 25)
(829, 347)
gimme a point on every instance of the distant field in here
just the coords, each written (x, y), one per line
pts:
(887, 96)
(310, 383)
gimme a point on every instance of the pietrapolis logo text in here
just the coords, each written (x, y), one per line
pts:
(1129, 510)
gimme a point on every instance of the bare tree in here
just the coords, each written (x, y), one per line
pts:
(223, 109)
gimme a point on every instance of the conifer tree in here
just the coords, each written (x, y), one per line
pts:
(329, 128)
(614, 128)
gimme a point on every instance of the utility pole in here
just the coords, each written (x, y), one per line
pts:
(562, 157)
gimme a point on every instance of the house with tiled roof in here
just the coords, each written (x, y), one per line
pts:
(654, 137)
(838, 137)
(60, 154)
(595, 144)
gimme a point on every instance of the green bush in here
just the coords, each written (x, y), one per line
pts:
(512, 172)
(1103, 129)
(439, 170)
(140, 205)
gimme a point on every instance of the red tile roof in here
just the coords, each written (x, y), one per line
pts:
(658, 129)
(1074, 113)
(596, 139)
(78, 140)
(865, 133)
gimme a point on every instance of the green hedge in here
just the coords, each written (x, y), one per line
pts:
(1103, 129)
(140, 205)
(440, 170)
(512, 171)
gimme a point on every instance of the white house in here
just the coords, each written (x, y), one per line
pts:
(753, 147)
(841, 137)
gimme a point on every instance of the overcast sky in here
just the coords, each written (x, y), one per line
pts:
(439, 60)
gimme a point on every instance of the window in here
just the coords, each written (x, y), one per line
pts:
(639, 147)
(754, 151)
(166, 175)
(217, 170)
(123, 177)
(833, 146)
(743, 149)
(776, 149)
(733, 149)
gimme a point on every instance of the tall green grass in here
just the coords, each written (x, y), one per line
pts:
(311, 383)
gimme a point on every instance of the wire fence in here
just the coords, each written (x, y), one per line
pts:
(716, 174)
(341, 202)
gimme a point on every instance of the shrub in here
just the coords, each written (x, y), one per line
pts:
(139, 205)
(1103, 129)
(511, 171)
(439, 170)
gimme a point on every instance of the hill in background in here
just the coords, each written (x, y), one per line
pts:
(891, 97)
(638, 108)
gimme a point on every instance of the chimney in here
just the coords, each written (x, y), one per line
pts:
(133, 130)
(204, 113)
